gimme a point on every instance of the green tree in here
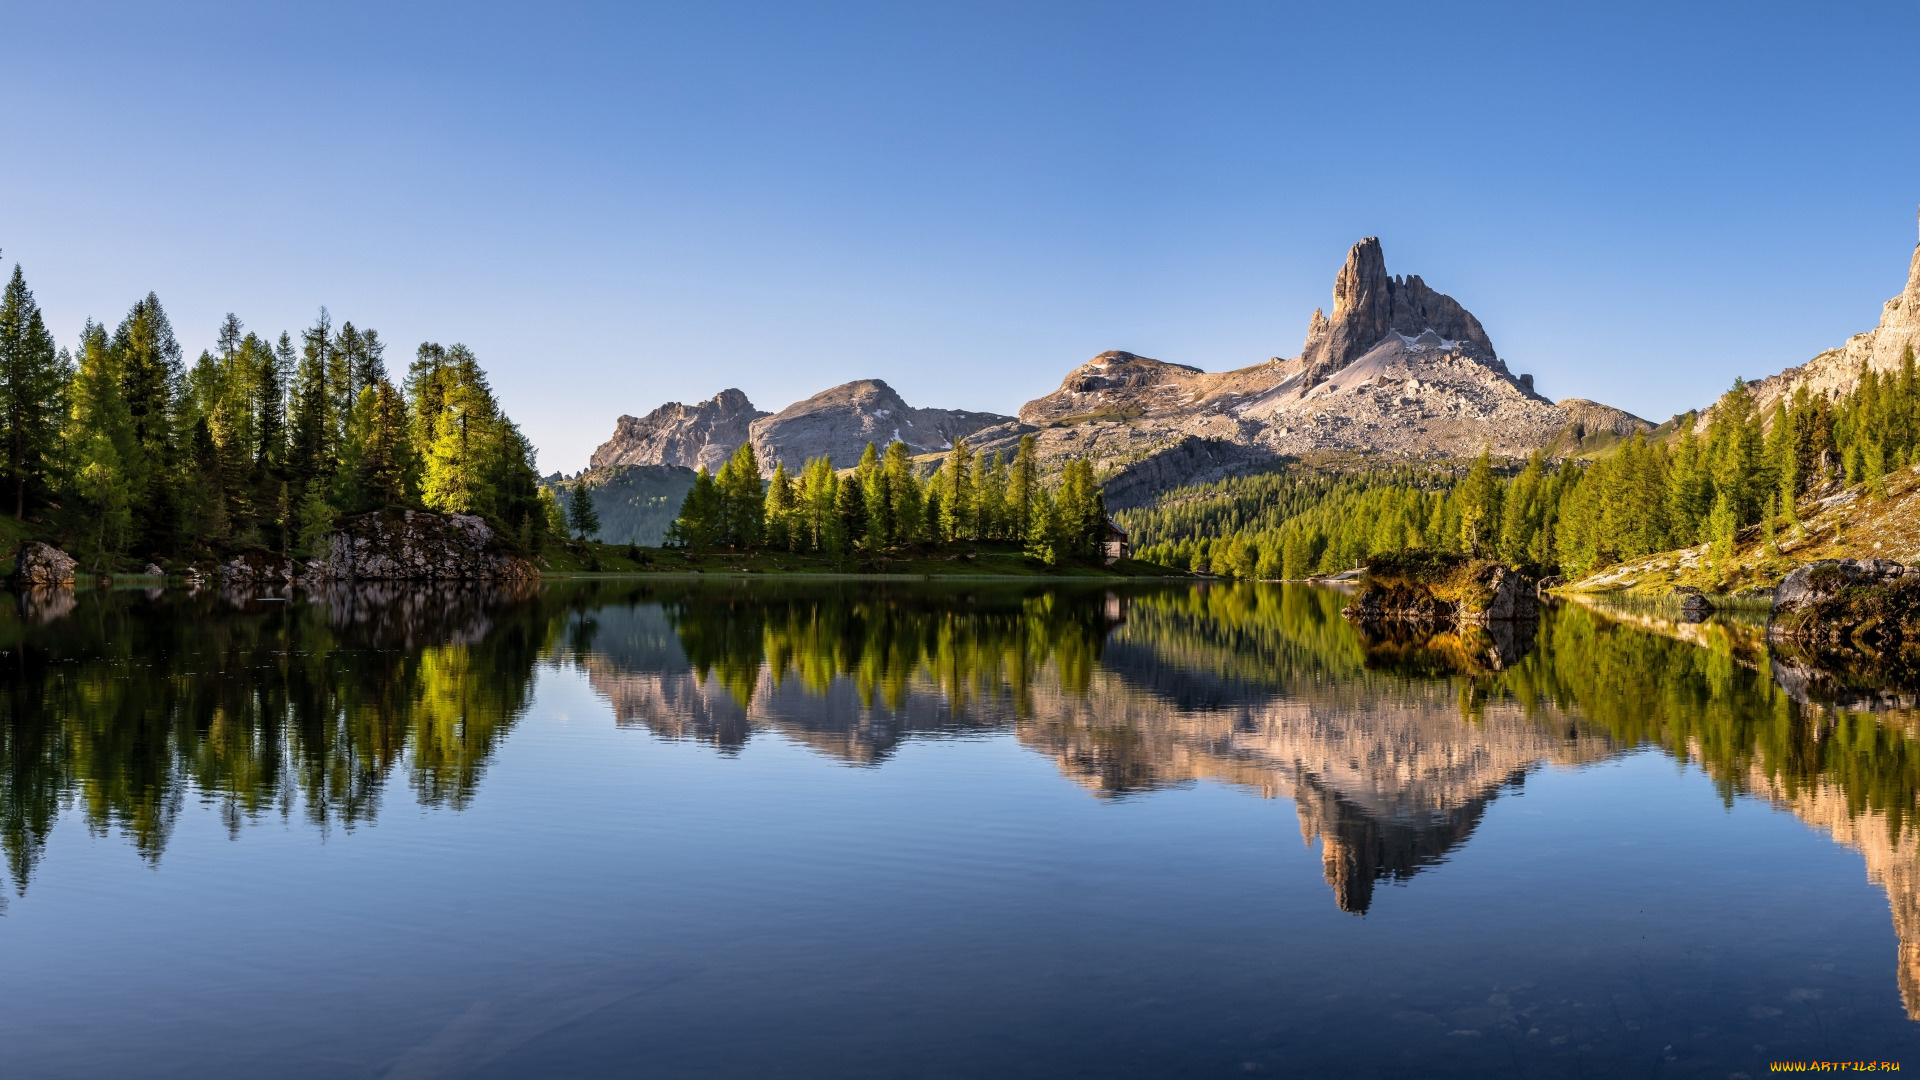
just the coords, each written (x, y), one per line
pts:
(148, 357)
(1478, 498)
(782, 509)
(582, 518)
(386, 455)
(33, 382)
(957, 493)
(698, 525)
(1022, 486)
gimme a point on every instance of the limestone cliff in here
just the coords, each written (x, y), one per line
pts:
(1368, 305)
(1835, 372)
(685, 435)
(838, 423)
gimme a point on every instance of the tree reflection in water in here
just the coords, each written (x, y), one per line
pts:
(1391, 743)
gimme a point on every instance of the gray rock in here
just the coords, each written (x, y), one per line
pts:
(687, 435)
(1836, 371)
(1514, 599)
(1695, 607)
(1368, 305)
(415, 546)
(1398, 369)
(838, 423)
(1804, 587)
(39, 564)
(154, 571)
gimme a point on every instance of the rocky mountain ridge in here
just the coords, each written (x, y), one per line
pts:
(690, 436)
(1836, 372)
(837, 422)
(1398, 368)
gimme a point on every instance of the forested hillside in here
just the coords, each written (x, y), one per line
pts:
(1571, 518)
(637, 503)
(119, 451)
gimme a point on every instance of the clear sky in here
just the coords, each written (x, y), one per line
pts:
(623, 205)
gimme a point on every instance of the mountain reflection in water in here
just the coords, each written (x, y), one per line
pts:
(1391, 744)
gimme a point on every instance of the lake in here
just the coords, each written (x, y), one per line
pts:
(772, 828)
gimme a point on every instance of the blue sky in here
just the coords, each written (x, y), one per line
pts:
(623, 205)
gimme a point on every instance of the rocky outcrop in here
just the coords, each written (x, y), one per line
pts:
(1122, 386)
(1837, 603)
(686, 435)
(414, 546)
(1368, 305)
(1593, 418)
(1836, 371)
(42, 565)
(1422, 587)
(406, 545)
(840, 422)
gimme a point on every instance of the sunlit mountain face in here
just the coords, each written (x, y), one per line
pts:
(154, 717)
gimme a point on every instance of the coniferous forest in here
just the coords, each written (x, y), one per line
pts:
(122, 453)
(883, 505)
(1573, 517)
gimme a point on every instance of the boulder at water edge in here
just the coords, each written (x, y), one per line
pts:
(43, 564)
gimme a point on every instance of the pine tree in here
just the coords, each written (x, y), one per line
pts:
(316, 517)
(207, 486)
(1478, 498)
(582, 517)
(991, 510)
(458, 430)
(1043, 540)
(148, 357)
(903, 488)
(957, 494)
(697, 526)
(877, 491)
(1519, 514)
(98, 439)
(781, 509)
(741, 500)
(1724, 526)
(849, 513)
(33, 383)
(385, 459)
(314, 441)
(1022, 485)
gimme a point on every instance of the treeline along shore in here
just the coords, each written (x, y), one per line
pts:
(118, 451)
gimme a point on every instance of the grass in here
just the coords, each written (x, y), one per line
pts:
(978, 560)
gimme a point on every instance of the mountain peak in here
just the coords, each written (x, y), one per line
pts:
(676, 434)
(1368, 304)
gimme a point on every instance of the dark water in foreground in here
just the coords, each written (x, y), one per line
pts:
(863, 830)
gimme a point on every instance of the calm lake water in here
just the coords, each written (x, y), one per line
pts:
(932, 830)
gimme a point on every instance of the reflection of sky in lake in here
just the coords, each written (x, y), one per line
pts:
(1073, 871)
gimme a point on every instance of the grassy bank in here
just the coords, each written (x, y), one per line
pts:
(982, 559)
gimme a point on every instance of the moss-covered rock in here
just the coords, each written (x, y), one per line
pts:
(1427, 586)
(1871, 604)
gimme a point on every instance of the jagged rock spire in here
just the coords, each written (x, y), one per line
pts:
(1368, 305)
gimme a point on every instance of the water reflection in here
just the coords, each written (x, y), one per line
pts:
(1390, 744)
(127, 703)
